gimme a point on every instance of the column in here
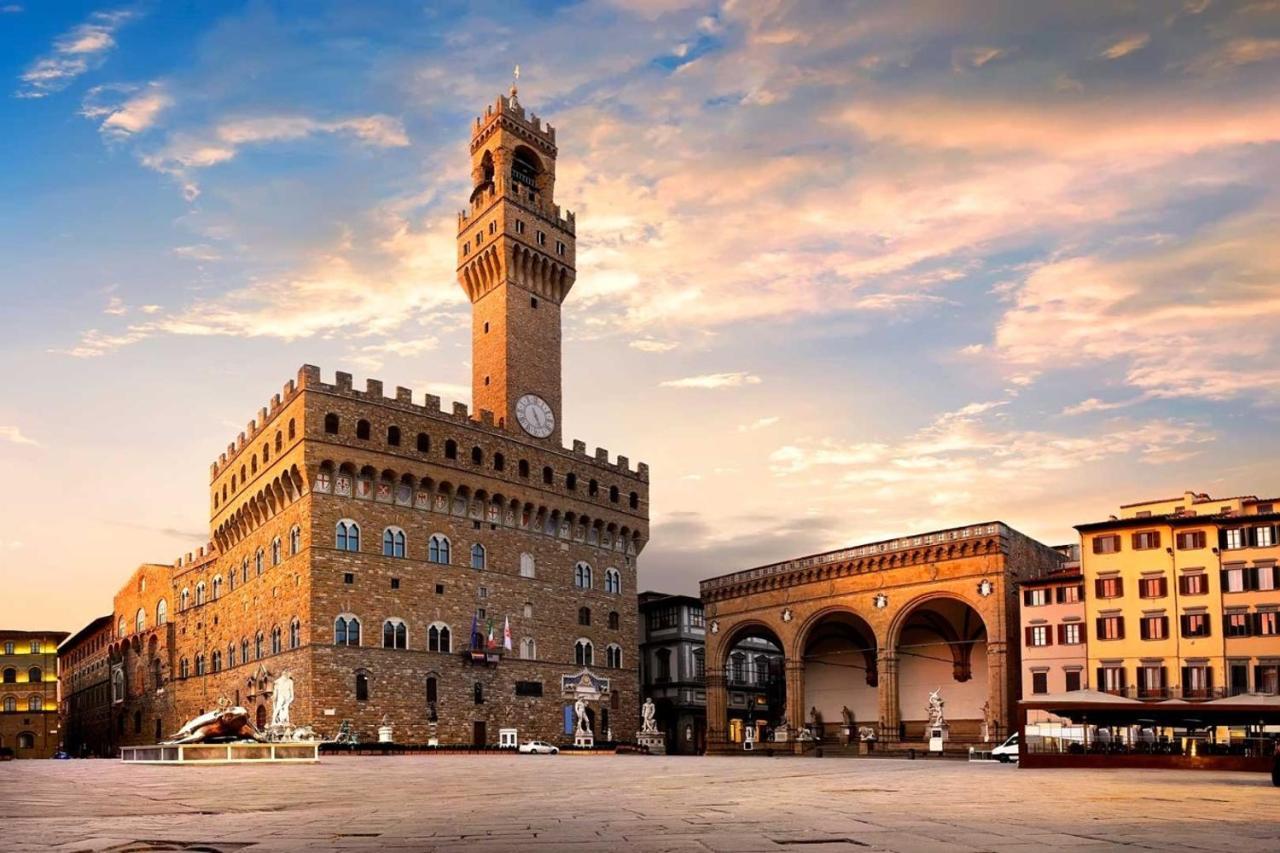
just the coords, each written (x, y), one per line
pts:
(717, 711)
(887, 693)
(999, 690)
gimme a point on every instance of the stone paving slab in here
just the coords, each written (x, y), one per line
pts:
(629, 803)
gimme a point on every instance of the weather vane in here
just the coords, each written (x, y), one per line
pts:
(515, 78)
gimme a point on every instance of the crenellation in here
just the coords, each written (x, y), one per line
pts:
(460, 410)
(373, 388)
(342, 381)
(579, 447)
(602, 455)
(433, 406)
(642, 471)
(404, 395)
(486, 417)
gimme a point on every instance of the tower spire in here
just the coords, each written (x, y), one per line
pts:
(515, 78)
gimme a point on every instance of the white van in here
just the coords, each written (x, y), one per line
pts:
(1007, 751)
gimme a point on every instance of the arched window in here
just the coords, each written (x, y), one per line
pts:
(266, 451)
(582, 576)
(27, 740)
(215, 662)
(200, 664)
(612, 581)
(244, 649)
(433, 690)
(362, 430)
(122, 628)
(231, 656)
(477, 456)
(393, 542)
(613, 494)
(634, 501)
(244, 568)
(331, 423)
(393, 436)
(34, 675)
(439, 638)
(548, 476)
(217, 587)
(295, 633)
(200, 591)
(276, 645)
(280, 440)
(11, 704)
(499, 462)
(291, 429)
(571, 481)
(613, 656)
(140, 621)
(523, 468)
(259, 561)
(438, 549)
(477, 556)
(184, 668)
(362, 687)
(593, 488)
(348, 535)
(424, 443)
(10, 675)
(253, 464)
(614, 619)
(527, 567)
(394, 634)
(346, 631)
(450, 449)
(162, 612)
(584, 615)
(528, 649)
(583, 652)
(257, 645)
(275, 551)
(295, 540)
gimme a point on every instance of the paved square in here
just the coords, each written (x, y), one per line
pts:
(614, 803)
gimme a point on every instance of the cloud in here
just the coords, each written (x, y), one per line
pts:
(135, 114)
(760, 423)
(651, 345)
(1194, 320)
(82, 48)
(13, 435)
(1127, 45)
(713, 380)
(115, 307)
(1093, 404)
(198, 252)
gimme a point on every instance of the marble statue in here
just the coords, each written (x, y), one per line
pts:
(934, 708)
(649, 725)
(580, 709)
(281, 699)
(225, 723)
(847, 714)
(866, 733)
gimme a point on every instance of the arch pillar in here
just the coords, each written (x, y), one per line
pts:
(887, 694)
(999, 694)
(717, 711)
(795, 695)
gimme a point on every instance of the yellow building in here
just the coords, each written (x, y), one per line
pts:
(29, 693)
(1182, 598)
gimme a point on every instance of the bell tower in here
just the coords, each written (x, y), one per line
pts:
(516, 264)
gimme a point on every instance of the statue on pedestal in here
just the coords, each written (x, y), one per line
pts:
(580, 709)
(281, 699)
(936, 717)
(648, 712)
(227, 723)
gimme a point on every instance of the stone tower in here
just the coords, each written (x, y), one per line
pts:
(516, 264)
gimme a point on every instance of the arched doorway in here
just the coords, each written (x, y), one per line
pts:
(942, 645)
(841, 675)
(756, 683)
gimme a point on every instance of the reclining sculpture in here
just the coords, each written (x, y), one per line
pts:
(226, 723)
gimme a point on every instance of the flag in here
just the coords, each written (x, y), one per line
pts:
(475, 628)
(493, 642)
(506, 633)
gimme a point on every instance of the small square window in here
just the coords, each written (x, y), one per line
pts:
(439, 589)
(348, 578)
(483, 592)
(528, 610)
(395, 583)
(475, 525)
(533, 302)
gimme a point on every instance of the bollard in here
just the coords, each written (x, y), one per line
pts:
(912, 753)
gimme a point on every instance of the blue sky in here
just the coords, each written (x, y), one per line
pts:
(846, 270)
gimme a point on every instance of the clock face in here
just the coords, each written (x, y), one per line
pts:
(535, 416)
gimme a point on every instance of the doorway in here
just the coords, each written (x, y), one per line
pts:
(478, 734)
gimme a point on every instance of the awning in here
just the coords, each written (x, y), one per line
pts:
(1092, 706)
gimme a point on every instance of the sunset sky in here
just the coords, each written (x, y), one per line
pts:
(845, 270)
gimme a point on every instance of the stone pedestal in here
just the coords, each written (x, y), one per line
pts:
(656, 742)
(385, 734)
(584, 740)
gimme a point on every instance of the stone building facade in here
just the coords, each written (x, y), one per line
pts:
(377, 545)
(868, 632)
(84, 682)
(29, 692)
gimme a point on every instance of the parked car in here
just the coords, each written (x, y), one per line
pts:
(1007, 751)
(538, 747)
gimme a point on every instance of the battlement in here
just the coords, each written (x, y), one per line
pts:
(564, 220)
(507, 109)
(202, 555)
(342, 386)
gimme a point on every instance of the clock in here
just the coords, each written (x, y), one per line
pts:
(535, 416)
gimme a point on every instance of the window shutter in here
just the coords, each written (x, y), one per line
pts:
(1097, 588)
(1255, 623)
(1208, 678)
(1102, 682)
(1208, 626)
(1048, 636)
(1062, 634)
(1119, 587)
(1120, 627)
(1098, 627)
(1144, 629)
(1184, 625)
(1163, 586)
(1026, 597)
(1027, 630)
(1164, 677)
